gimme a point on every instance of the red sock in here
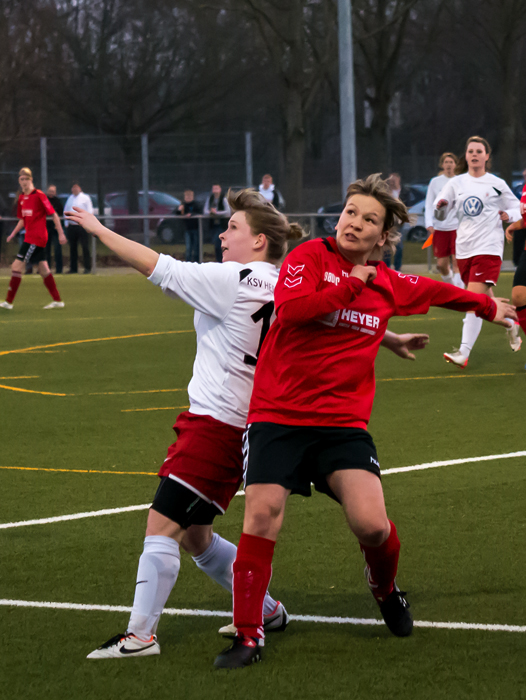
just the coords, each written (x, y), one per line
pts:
(14, 284)
(382, 563)
(252, 571)
(521, 314)
(49, 281)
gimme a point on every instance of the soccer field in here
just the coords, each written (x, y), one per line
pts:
(88, 397)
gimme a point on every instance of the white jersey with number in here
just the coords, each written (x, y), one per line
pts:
(450, 223)
(477, 202)
(234, 306)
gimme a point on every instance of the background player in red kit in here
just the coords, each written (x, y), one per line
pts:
(518, 293)
(312, 398)
(33, 207)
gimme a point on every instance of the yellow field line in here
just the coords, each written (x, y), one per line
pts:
(77, 471)
(90, 340)
(30, 391)
(449, 376)
(34, 376)
(163, 408)
(142, 391)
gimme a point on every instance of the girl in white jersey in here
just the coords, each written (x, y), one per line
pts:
(443, 232)
(481, 202)
(202, 472)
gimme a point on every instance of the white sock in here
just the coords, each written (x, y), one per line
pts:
(457, 281)
(156, 576)
(216, 561)
(470, 333)
(448, 278)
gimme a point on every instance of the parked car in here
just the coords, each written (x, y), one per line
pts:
(416, 231)
(159, 203)
(414, 198)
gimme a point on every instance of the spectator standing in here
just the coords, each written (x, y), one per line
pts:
(217, 203)
(271, 193)
(53, 244)
(76, 234)
(394, 182)
(189, 208)
(519, 237)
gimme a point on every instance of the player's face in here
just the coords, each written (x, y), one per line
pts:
(26, 183)
(360, 228)
(238, 242)
(448, 166)
(476, 155)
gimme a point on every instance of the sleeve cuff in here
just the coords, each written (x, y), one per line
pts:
(163, 263)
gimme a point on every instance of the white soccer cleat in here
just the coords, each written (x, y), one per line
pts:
(55, 305)
(123, 646)
(275, 622)
(514, 338)
(6, 305)
(456, 358)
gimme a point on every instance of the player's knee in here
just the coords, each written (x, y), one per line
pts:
(372, 534)
(261, 518)
(518, 296)
(443, 267)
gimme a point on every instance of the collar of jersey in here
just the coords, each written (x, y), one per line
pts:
(332, 242)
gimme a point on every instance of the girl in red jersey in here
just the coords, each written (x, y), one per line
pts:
(32, 209)
(518, 293)
(313, 395)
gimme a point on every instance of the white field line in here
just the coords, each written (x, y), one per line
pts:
(113, 511)
(73, 516)
(297, 618)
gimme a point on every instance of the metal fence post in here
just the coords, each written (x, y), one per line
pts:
(312, 226)
(43, 163)
(145, 189)
(200, 222)
(429, 259)
(94, 253)
(249, 169)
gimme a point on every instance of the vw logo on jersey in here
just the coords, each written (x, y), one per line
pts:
(473, 206)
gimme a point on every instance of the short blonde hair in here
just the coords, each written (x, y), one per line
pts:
(396, 212)
(263, 217)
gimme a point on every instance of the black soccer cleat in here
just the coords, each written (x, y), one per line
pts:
(395, 611)
(244, 651)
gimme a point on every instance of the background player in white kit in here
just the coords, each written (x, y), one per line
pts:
(444, 232)
(234, 307)
(481, 201)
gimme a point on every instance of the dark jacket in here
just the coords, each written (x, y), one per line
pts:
(57, 206)
(192, 207)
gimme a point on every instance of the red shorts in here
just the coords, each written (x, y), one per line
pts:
(207, 456)
(444, 243)
(480, 268)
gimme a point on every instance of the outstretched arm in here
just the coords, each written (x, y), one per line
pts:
(515, 226)
(138, 256)
(403, 344)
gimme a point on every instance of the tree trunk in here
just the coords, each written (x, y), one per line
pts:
(294, 151)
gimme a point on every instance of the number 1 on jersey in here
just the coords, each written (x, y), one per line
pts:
(264, 314)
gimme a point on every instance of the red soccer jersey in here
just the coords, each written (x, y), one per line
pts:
(316, 366)
(33, 209)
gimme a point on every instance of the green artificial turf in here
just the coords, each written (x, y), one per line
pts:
(462, 526)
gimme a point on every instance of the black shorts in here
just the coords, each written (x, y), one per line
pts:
(296, 456)
(31, 253)
(183, 505)
(520, 273)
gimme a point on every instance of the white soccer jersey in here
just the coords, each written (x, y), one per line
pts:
(234, 306)
(450, 223)
(477, 202)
